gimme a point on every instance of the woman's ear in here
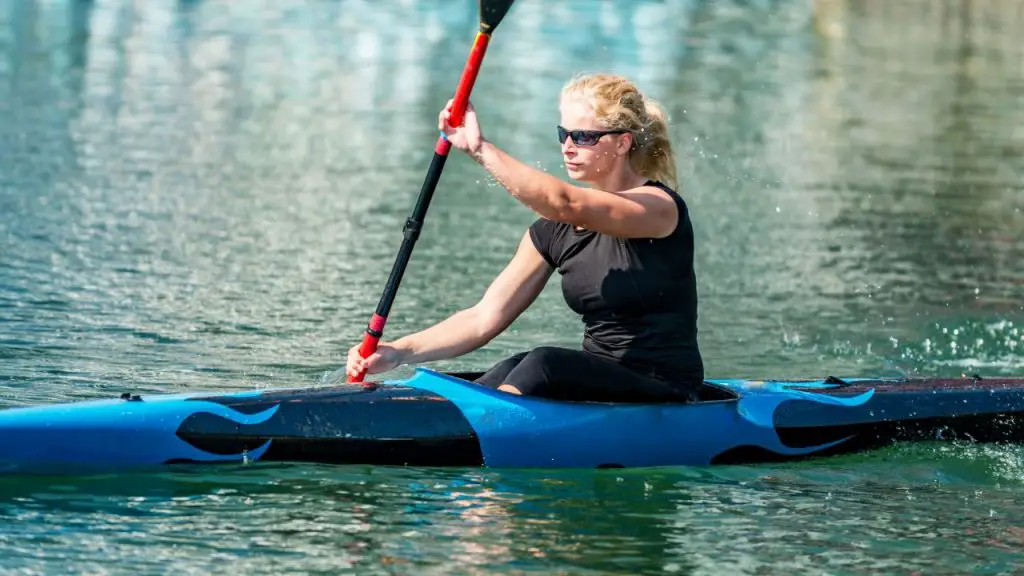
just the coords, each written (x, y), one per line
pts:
(625, 144)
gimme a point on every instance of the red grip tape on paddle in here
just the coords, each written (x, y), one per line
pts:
(469, 73)
(443, 146)
(370, 341)
(466, 82)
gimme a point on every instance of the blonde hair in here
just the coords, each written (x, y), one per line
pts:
(619, 105)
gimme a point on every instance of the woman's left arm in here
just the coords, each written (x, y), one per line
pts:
(643, 212)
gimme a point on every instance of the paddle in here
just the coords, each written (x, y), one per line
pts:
(491, 13)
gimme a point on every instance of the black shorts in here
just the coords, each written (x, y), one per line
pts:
(577, 375)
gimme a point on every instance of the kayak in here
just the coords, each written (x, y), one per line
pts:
(443, 419)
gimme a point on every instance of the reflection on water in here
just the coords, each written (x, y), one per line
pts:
(209, 194)
(935, 142)
(861, 180)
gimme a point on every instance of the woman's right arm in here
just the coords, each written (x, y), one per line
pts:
(509, 294)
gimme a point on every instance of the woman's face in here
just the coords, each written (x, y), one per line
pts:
(589, 162)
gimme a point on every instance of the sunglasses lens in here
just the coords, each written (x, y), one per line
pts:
(580, 137)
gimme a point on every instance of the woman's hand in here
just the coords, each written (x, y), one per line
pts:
(386, 358)
(468, 137)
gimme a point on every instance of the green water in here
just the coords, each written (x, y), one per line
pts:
(209, 195)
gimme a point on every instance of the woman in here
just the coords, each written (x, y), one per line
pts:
(623, 245)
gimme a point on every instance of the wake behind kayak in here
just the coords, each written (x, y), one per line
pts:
(436, 419)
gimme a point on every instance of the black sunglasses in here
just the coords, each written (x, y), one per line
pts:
(584, 137)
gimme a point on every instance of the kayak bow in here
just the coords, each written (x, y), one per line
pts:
(437, 419)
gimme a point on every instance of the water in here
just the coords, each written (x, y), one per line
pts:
(209, 195)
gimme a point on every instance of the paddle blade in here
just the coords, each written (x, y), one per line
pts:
(491, 13)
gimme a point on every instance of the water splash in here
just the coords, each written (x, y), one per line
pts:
(995, 347)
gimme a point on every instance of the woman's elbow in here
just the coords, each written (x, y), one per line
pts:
(488, 322)
(563, 207)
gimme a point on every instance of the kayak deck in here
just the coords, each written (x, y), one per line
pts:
(437, 419)
(803, 417)
(342, 424)
(899, 410)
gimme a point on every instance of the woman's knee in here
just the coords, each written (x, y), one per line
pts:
(547, 355)
(550, 366)
(496, 375)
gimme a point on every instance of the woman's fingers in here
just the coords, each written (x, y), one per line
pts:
(444, 120)
(355, 361)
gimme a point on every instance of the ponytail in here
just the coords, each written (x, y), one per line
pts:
(652, 153)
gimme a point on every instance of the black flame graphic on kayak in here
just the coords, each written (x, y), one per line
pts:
(220, 439)
(761, 410)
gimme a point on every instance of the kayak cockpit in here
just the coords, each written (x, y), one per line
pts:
(708, 392)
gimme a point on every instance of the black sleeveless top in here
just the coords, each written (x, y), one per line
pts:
(637, 297)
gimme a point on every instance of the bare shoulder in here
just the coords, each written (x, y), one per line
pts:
(656, 193)
(643, 212)
(658, 208)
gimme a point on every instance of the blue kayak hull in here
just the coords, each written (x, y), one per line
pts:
(436, 419)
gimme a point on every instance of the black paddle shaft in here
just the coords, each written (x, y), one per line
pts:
(411, 233)
(491, 14)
